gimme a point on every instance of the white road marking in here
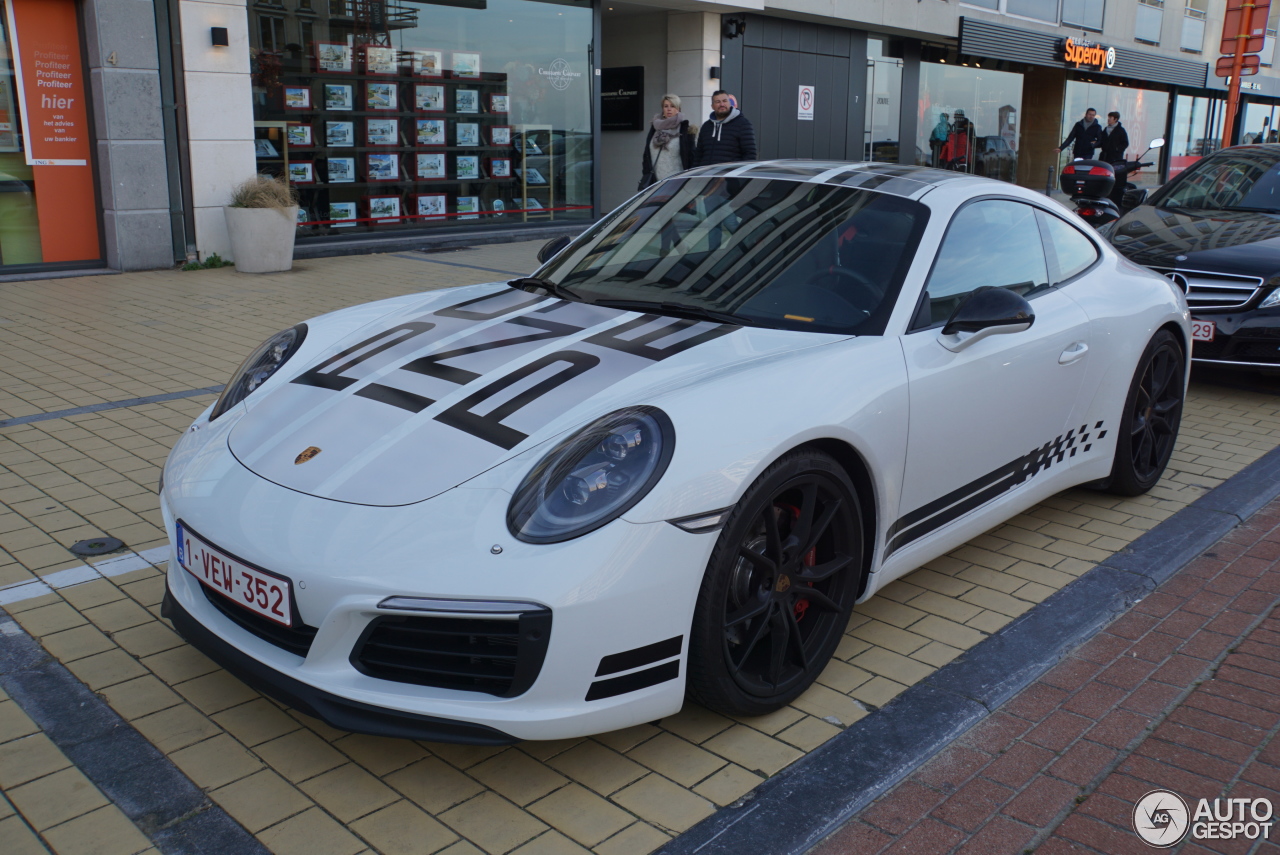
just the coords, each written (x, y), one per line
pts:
(117, 566)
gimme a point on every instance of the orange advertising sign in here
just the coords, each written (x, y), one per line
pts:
(1085, 54)
(45, 38)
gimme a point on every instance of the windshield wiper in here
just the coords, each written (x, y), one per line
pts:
(678, 310)
(1249, 208)
(529, 283)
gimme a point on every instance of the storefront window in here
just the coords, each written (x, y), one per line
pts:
(1259, 123)
(968, 120)
(884, 97)
(1197, 131)
(1143, 113)
(397, 115)
(48, 207)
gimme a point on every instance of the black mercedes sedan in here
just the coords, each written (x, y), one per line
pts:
(1215, 230)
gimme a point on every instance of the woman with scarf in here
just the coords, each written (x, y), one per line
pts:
(669, 147)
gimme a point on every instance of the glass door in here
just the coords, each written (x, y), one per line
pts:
(884, 104)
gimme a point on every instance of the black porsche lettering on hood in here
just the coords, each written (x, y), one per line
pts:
(933, 516)
(433, 365)
(489, 426)
(651, 338)
(642, 343)
(385, 340)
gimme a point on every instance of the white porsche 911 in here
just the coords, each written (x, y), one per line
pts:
(670, 462)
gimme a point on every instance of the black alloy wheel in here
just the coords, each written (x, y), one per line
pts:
(1152, 414)
(779, 588)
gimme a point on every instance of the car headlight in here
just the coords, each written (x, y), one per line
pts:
(1272, 300)
(593, 477)
(260, 365)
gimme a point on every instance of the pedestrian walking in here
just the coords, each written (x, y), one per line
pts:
(668, 148)
(1115, 139)
(725, 137)
(1086, 134)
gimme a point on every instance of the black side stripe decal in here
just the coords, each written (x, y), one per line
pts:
(650, 653)
(978, 492)
(614, 686)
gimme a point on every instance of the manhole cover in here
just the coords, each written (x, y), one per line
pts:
(97, 546)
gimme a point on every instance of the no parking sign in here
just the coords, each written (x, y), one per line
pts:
(805, 111)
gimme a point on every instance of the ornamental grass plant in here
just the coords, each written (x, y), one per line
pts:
(264, 191)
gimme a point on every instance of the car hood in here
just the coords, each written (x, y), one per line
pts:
(436, 393)
(1243, 242)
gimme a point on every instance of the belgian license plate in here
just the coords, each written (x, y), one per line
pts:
(1202, 330)
(255, 589)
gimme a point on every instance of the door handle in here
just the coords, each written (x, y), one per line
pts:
(1072, 353)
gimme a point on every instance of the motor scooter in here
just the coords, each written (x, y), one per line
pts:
(1100, 191)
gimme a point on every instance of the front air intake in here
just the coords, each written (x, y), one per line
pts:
(494, 655)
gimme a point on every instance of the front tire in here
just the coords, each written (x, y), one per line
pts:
(1152, 413)
(778, 589)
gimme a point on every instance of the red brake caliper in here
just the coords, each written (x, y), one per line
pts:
(810, 559)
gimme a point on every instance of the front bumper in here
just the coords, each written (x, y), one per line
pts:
(1248, 339)
(624, 588)
(333, 710)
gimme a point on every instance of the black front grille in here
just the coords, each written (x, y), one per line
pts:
(497, 656)
(1209, 349)
(297, 640)
(1238, 349)
(1255, 351)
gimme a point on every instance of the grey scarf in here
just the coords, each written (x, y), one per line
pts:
(665, 129)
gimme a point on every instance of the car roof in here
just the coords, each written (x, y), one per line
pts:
(1270, 151)
(897, 179)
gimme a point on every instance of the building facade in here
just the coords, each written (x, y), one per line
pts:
(125, 124)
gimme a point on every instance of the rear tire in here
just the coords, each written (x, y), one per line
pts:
(778, 590)
(1152, 413)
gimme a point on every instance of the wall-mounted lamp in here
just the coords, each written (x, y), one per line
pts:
(219, 36)
(715, 72)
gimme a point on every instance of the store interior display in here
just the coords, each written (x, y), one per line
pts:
(368, 126)
(393, 115)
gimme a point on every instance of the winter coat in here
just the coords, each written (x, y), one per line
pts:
(686, 139)
(727, 141)
(955, 151)
(1087, 138)
(1114, 144)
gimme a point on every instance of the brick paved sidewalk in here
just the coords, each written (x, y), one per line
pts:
(98, 379)
(1182, 693)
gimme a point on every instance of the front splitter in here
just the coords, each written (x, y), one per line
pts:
(333, 710)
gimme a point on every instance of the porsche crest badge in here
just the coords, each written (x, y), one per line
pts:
(306, 455)
(784, 582)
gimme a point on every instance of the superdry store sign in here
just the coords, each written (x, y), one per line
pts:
(1082, 54)
(45, 38)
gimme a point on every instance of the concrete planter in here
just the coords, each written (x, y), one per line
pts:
(262, 238)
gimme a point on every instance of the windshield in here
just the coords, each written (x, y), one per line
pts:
(775, 253)
(1243, 180)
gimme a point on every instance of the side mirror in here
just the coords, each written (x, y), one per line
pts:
(1158, 142)
(987, 311)
(552, 248)
(1133, 198)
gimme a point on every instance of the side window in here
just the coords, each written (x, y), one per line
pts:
(992, 242)
(1069, 251)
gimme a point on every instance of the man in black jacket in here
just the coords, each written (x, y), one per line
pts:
(727, 136)
(1086, 133)
(1115, 139)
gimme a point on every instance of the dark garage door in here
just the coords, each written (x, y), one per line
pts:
(765, 68)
